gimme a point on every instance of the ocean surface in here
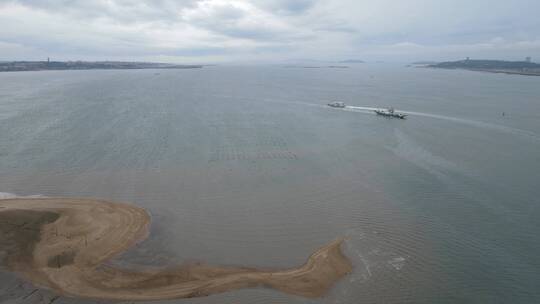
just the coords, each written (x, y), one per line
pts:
(247, 166)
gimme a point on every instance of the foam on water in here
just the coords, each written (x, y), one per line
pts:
(408, 149)
(397, 263)
(7, 195)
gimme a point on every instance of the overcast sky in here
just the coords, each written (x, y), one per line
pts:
(207, 31)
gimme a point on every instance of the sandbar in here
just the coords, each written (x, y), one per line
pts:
(66, 245)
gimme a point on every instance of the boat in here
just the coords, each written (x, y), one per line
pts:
(337, 104)
(390, 113)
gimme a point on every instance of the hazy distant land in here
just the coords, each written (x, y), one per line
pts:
(425, 62)
(317, 66)
(492, 66)
(352, 61)
(19, 66)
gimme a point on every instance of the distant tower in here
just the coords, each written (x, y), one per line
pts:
(48, 60)
(468, 59)
(528, 59)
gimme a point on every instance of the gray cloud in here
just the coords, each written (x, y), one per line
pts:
(286, 6)
(221, 30)
(125, 11)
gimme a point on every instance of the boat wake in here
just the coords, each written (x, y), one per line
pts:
(469, 122)
(473, 123)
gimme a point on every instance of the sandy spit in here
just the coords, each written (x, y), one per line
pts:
(63, 244)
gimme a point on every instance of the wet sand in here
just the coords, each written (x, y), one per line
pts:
(64, 244)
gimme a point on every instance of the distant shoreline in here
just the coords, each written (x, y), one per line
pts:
(509, 72)
(27, 66)
(316, 67)
(525, 68)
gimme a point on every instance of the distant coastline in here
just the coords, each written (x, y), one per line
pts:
(317, 66)
(352, 61)
(423, 63)
(526, 68)
(22, 66)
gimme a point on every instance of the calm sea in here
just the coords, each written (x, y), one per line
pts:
(247, 166)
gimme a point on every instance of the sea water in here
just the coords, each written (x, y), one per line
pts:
(246, 165)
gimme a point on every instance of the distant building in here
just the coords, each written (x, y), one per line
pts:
(528, 59)
(468, 59)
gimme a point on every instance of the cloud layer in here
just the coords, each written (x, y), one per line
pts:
(268, 30)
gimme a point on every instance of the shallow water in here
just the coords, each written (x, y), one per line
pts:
(247, 166)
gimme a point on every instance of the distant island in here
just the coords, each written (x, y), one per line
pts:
(352, 61)
(493, 66)
(317, 66)
(425, 62)
(19, 66)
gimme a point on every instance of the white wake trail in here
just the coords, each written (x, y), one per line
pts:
(474, 123)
